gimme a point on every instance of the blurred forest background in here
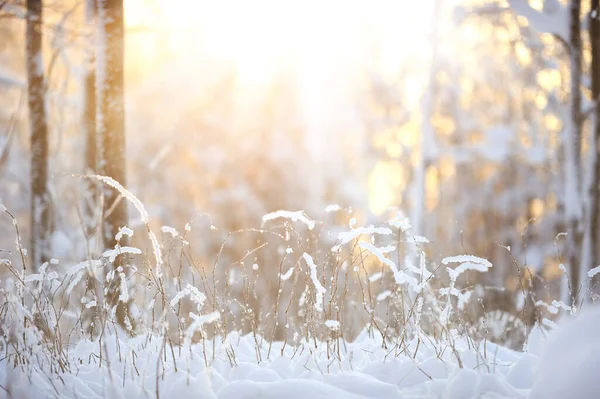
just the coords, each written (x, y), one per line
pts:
(476, 119)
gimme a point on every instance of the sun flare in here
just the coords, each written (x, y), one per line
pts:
(262, 37)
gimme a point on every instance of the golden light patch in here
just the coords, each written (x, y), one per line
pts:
(551, 271)
(523, 54)
(432, 185)
(388, 179)
(549, 79)
(537, 207)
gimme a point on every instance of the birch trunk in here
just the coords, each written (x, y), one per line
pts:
(572, 147)
(40, 196)
(89, 126)
(111, 130)
(427, 145)
(111, 112)
(593, 217)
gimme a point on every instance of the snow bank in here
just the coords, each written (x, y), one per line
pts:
(143, 366)
(571, 360)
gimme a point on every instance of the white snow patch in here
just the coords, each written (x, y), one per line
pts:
(333, 325)
(169, 230)
(592, 272)
(332, 208)
(320, 290)
(384, 295)
(298, 216)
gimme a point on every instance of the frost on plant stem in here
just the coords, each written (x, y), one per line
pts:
(551, 309)
(348, 236)
(197, 324)
(298, 216)
(592, 272)
(419, 239)
(75, 272)
(315, 280)
(112, 254)
(195, 296)
(169, 230)
(375, 277)
(123, 290)
(143, 214)
(123, 231)
(287, 274)
(399, 276)
(467, 262)
(332, 208)
(401, 222)
(333, 325)
(384, 295)
(127, 194)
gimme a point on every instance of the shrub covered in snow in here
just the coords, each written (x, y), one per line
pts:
(368, 315)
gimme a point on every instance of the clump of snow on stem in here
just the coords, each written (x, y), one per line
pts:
(347, 236)
(298, 216)
(319, 295)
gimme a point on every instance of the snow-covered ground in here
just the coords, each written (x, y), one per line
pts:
(564, 365)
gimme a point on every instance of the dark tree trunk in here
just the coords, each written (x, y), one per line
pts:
(594, 193)
(572, 146)
(40, 197)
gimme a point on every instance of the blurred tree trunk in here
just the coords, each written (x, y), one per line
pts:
(111, 130)
(40, 196)
(111, 113)
(572, 164)
(427, 143)
(89, 126)
(594, 193)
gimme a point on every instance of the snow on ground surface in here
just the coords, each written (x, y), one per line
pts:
(565, 365)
